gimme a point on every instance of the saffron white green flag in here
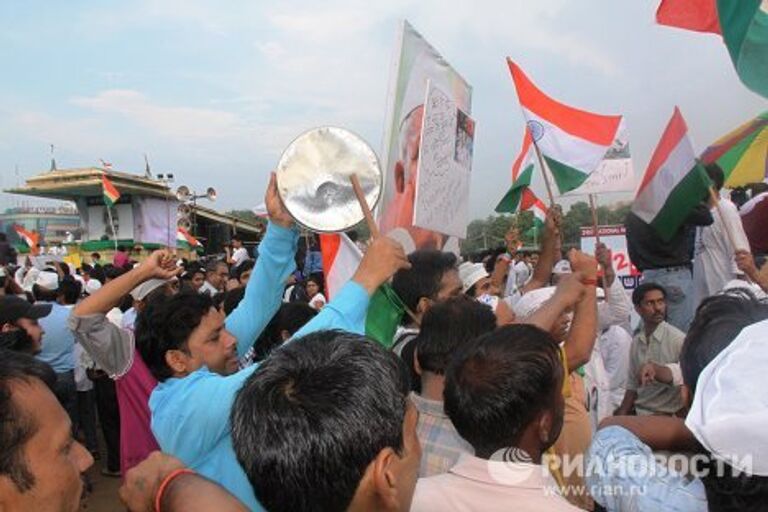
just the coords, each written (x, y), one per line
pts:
(572, 142)
(674, 182)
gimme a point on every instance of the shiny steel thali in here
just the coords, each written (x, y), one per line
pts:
(313, 178)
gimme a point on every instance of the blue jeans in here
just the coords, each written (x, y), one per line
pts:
(678, 283)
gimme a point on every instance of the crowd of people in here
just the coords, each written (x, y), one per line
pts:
(515, 381)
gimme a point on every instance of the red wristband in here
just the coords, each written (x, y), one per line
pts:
(589, 282)
(166, 482)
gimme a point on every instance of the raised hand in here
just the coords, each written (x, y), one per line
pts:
(275, 207)
(383, 258)
(142, 481)
(161, 264)
(583, 263)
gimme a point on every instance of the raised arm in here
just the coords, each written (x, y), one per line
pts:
(583, 333)
(549, 250)
(111, 347)
(264, 291)
(616, 309)
(160, 265)
(569, 291)
(348, 308)
(184, 491)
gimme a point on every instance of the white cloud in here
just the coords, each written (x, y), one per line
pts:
(166, 121)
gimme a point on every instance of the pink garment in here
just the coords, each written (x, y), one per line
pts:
(120, 260)
(133, 390)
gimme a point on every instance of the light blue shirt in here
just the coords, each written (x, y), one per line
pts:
(622, 475)
(58, 344)
(264, 291)
(190, 415)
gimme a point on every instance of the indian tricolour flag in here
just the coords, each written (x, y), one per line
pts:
(111, 194)
(341, 257)
(182, 235)
(522, 173)
(30, 238)
(572, 142)
(674, 182)
(743, 25)
(531, 202)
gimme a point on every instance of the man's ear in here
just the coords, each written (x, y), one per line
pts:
(423, 305)
(6, 327)
(545, 425)
(177, 361)
(416, 364)
(399, 177)
(385, 479)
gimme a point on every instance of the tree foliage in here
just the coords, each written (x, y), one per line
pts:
(489, 232)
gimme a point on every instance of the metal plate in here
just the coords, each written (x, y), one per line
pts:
(313, 178)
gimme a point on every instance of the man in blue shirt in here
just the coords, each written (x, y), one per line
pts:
(191, 404)
(58, 342)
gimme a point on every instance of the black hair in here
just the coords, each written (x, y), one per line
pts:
(3, 237)
(716, 174)
(719, 319)
(318, 280)
(212, 266)
(244, 267)
(112, 272)
(16, 425)
(423, 278)
(291, 317)
(70, 290)
(496, 385)
(232, 298)
(95, 256)
(166, 325)
(44, 294)
(17, 340)
(314, 415)
(446, 326)
(86, 268)
(639, 293)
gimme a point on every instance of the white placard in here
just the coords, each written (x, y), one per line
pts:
(445, 162)
(615, 173)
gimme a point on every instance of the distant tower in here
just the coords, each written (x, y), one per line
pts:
(53, 160)
(147, 171)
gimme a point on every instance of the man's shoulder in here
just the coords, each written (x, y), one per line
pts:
(671, 333)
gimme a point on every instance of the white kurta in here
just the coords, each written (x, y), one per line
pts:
(713, 264)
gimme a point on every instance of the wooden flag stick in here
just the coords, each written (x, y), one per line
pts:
(713, 195)
(593, 207)
(374, 229)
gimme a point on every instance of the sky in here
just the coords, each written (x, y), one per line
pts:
(214, 91)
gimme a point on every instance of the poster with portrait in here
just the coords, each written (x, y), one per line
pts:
(415, 62)
(445, 161)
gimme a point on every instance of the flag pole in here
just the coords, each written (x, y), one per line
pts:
(594, 216)
(374, 229)
(544, 173)
(716, 200)
(112, 225)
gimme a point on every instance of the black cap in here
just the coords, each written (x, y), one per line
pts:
(12, 308)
